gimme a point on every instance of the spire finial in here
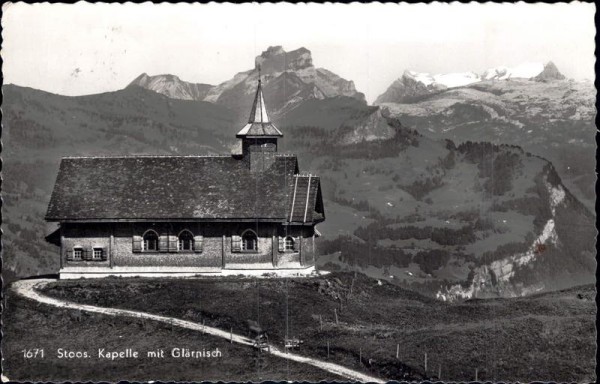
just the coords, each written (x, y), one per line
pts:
(258, 73)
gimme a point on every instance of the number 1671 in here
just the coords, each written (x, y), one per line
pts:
(33, 353)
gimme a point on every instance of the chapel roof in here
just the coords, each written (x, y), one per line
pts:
(210, 188)
(183, 187)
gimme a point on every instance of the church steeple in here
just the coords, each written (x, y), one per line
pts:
(258, 113)
(259, 125)
(259, 136)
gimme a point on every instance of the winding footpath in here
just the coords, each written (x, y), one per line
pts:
(26, 288)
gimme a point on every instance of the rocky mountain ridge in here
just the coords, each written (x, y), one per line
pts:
(288, 79)
(413, 85)
(550, 118)
(172, 86)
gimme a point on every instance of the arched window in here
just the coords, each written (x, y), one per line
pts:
(185, 241)
(249, 241)
(150, 241)
(289, 243)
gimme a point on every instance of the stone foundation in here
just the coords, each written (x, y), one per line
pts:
(88, 273)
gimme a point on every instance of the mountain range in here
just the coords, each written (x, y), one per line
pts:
(531, 105)
(289, 78)
(414, 85)
(448, 218)
(546, 115)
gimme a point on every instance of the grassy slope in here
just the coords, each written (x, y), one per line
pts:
(554, 120)
(29, 325)
(430, 184)
(40, 128)
(542, 337)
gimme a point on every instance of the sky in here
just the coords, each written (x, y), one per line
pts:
(82, 48)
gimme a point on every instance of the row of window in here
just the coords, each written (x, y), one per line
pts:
(185, 241)
(248, 242)
(87, 254)
(151, 242)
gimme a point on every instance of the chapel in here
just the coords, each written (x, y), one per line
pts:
(252, 212)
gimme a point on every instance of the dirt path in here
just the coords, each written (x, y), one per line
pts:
(26, 289)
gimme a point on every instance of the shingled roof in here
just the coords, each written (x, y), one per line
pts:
(183, 187)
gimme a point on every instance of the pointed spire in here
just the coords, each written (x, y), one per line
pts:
(258, 113)
(259, 123)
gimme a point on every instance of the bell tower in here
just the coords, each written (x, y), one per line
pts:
(259, 136)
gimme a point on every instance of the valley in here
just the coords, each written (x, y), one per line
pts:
(444, 195)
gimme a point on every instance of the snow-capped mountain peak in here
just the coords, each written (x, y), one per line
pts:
(448, 80)
(521, 71)
(531, 70)
(413, 85)
(528, 70)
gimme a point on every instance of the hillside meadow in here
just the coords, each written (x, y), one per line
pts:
(28, 325)
(544, 337)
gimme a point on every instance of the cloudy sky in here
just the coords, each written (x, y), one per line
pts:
(90, 48)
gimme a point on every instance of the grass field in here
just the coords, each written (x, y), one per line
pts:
(547, 337)
(27, 325)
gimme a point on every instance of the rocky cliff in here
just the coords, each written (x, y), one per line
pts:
(172, 86)
(288, 79)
